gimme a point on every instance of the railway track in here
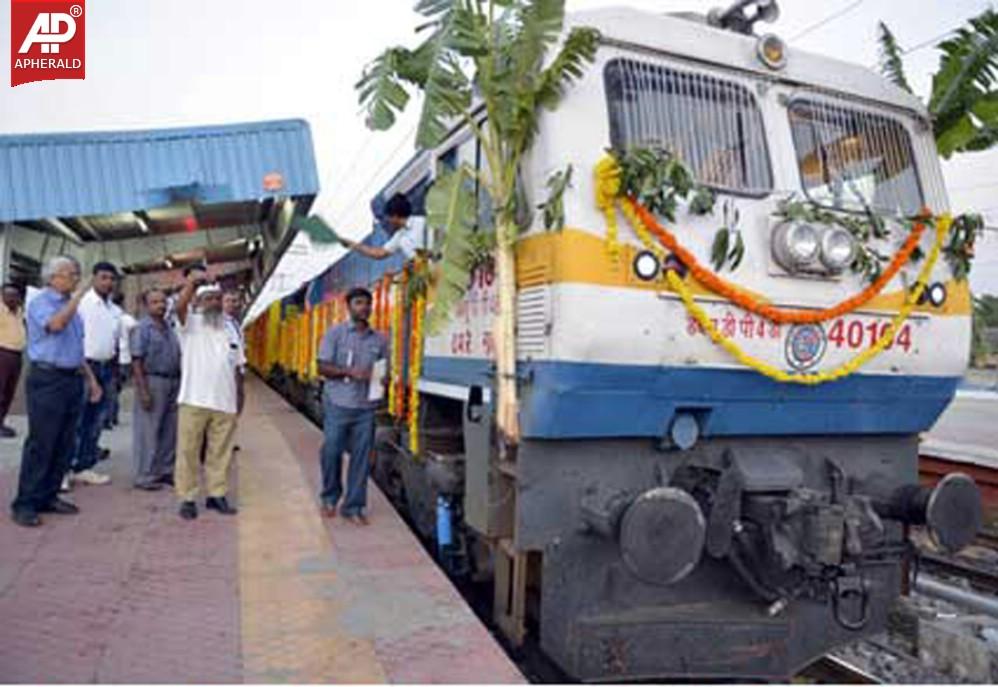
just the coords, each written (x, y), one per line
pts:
(832, 670)
(988, 538)
(980, 578)
(933, 466)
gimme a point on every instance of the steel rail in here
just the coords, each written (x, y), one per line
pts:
(836, 671)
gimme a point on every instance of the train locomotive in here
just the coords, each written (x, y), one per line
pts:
(673, 511)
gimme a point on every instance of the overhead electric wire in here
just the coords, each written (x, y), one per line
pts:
(368, 139)
(830, 18)
(928, 42)
(374, 177)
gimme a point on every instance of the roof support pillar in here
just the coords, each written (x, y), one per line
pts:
(5, 237)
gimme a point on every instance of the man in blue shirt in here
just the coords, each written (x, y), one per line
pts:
(54, 389)
(155, 351)
(346, 357)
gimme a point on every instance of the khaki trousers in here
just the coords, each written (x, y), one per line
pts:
(195, 425)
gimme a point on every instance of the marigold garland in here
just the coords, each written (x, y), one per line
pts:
(748, 302)
(607, 187)
(415, 369)
(376, 302)
(847, 368)
(396, 393)
(607, 190)
(644, 223)
(643, 234)
(386, 309)
(392, 358)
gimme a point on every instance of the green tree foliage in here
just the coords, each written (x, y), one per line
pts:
(553, 208)
(986, 307)
(480, 52)
(963, 103)
(491, 65)
(451, 203)
(985, 317)
(488, 54)
(891, 63)
(963, 106)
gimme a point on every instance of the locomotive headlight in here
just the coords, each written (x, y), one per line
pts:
(772, 51)
(796, 245)
(646, 265)
(838, 248)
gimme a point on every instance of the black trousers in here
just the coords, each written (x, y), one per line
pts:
(10, 372)
(55, 398)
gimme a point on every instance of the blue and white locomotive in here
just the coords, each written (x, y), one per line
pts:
(670, 511)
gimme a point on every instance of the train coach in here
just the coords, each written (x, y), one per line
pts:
(718, 467)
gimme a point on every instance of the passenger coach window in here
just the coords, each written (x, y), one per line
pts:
(854, 160)
(713, 125)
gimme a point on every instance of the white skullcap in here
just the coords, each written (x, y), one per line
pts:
(208, 288)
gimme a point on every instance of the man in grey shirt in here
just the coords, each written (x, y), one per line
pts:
(346, 357)
(155, 352)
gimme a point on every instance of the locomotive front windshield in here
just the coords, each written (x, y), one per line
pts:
(713, 125)
(854, 160)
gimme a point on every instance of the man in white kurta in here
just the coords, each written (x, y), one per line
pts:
(210, 398)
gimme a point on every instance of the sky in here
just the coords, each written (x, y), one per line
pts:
(162, 63)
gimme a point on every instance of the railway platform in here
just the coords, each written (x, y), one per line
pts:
(126, 591)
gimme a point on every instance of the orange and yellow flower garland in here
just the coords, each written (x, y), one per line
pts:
(384, 304)
(403, 398)
(639, 215)
(848, 367)
(415, 369)
(607, 175)
(607, 191)
(396, 389)
(607, 179)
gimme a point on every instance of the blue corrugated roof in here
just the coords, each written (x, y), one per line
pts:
(94, 173)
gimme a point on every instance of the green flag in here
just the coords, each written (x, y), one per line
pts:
(317, 229)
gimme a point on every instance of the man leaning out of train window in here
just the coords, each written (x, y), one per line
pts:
(409, 235)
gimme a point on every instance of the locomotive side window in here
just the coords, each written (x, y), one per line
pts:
(854, 160)
(469, 152)
(711, 124)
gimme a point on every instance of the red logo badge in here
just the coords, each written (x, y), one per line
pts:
(47, 40)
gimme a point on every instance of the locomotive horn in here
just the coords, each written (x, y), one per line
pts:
(735, 19)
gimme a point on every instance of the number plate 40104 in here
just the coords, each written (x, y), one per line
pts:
(856, 334)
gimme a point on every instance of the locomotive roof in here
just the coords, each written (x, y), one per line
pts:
(690, 38)
(696, 40)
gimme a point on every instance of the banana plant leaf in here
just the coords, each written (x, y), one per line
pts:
(719, 249)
